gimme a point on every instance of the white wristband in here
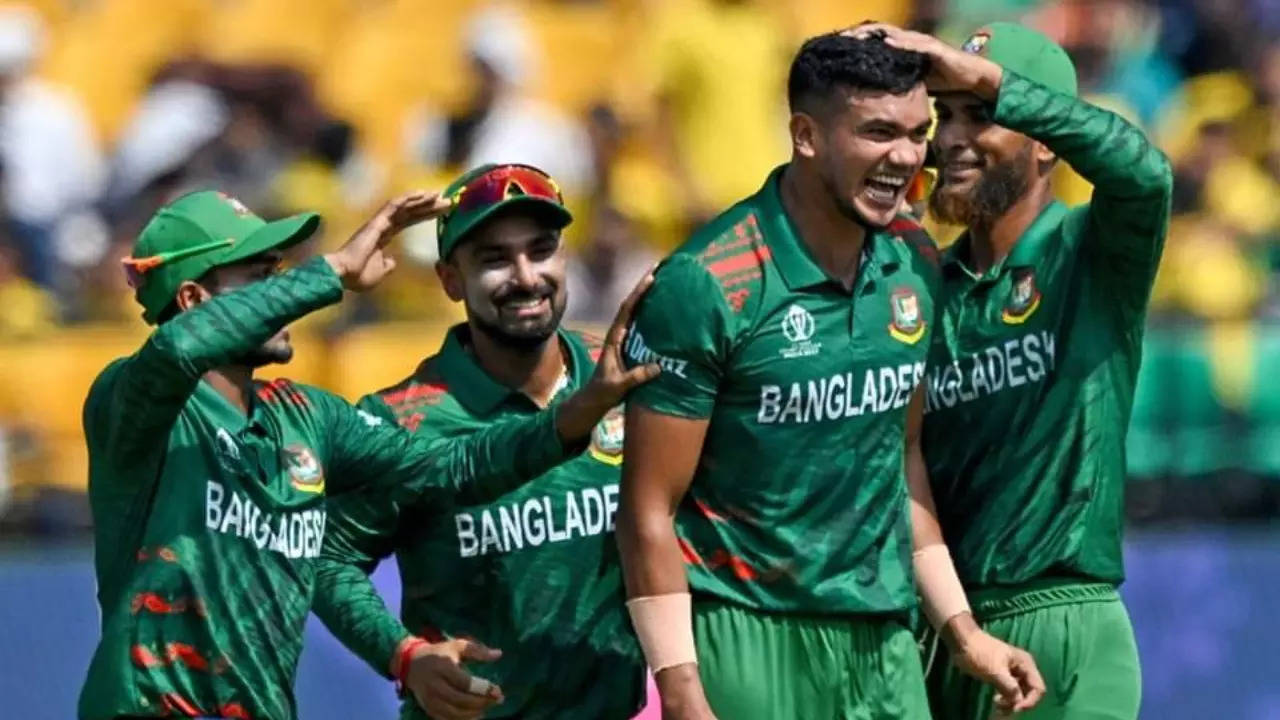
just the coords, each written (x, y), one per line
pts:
(942, 596)
(664, 626)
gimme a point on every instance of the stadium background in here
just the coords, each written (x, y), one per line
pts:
(652, 114)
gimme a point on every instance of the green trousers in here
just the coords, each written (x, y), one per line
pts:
(1081, 639)
(761, 666)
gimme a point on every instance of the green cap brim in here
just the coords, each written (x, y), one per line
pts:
(277, 235)
(458, 228)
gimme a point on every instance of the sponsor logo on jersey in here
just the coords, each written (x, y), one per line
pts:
(639, 352)
(606, 438)
(530, 523)
(304, 470)
(368, 418)
(1011, 364)
(1024, 297)
(798, 327)
(906, 324)
(839, 396)
(293, 534)
(976, 42)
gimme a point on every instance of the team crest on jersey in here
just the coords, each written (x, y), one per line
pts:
(907, 326)
(606, 438)
(976, 42)
(1024, 297)
(304, 470)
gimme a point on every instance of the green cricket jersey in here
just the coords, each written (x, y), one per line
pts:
(1032, 369)
(208, 523)
(799, 502)
(534, 572)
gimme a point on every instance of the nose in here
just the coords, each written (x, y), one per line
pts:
(907, 153)
(526, 274)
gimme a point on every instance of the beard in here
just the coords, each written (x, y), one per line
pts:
(999, 189)
(272, 352)
(524, 336)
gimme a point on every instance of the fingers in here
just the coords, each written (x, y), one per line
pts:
(640, 375)
(618, 330)
(471, 650)
(1023, 667)
(449, 688)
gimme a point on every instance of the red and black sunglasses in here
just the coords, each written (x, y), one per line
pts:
(502, 183)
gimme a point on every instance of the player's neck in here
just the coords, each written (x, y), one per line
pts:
(990, 245)
(834, 241)
(536, 371)
(233, 382)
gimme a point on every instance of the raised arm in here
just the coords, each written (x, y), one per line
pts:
(137, 399)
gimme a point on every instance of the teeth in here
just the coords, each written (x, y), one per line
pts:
(894, 180)
(525, 303)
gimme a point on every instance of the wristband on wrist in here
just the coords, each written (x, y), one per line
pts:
(664, 627)
(404, 655)
(941, 594)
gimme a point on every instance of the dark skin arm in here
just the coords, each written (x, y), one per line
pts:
(661, 454)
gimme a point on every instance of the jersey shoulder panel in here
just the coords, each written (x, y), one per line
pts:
(421, 401)
(732, 252)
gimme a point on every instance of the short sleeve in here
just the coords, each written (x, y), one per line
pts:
(682, 324)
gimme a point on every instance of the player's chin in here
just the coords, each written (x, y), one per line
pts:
(878, 209)
(273, 352)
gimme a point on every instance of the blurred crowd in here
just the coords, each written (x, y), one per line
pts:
(652, 114)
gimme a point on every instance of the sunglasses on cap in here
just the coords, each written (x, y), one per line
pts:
(502, 183)
(136, 269)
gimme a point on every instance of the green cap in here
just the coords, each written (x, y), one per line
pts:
(1027, 52)
(525, 186)
(199, 231)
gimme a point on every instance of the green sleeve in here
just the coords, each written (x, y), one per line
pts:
(136, 400)
(681, 324)
(1128, 215)
(359, 533)
(366, 448)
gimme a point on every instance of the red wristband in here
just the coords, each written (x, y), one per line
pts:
(405, 655)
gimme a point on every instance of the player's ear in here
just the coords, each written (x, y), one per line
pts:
(804, 134)
(450, 278)
(1045, 158)
(190, 294)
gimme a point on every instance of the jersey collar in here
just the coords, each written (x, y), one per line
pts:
(791, 257)
(482, 395)
(1026, 252)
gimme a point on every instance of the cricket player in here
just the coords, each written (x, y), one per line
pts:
(776, 517)
(208, 487)
(1032, 369)
(535, 571)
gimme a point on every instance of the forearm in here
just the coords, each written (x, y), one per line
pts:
(652, 563)
(349, 605)
(1107, 150)
(942, 596)
(228, 326)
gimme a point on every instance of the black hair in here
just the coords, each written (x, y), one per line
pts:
(832, 62)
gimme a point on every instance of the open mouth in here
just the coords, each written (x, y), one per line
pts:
(527, 307)
(886, 189)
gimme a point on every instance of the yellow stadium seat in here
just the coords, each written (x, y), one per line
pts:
(580, 47)
(108, 52)
(294, 32)
(392, 57)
